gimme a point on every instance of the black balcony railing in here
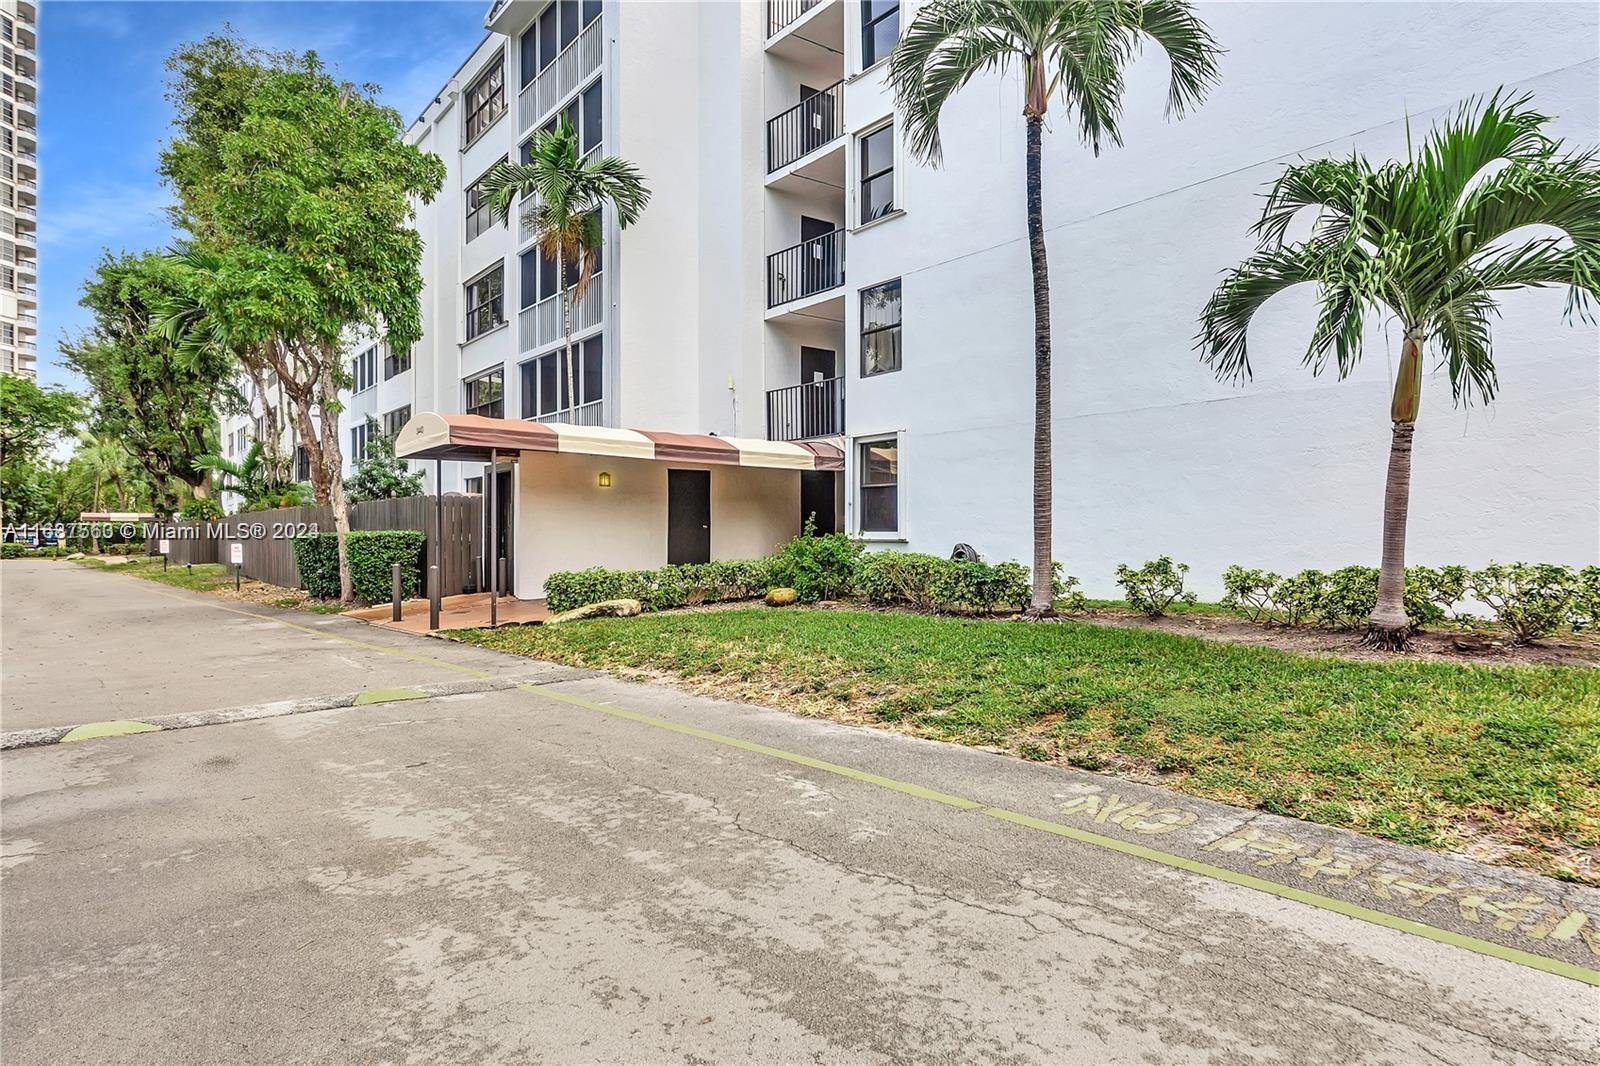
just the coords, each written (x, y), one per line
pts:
(806, 269)
(805, 127)
(782, 12)
(800, 412)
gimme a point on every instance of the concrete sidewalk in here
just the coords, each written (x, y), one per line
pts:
(596, 870)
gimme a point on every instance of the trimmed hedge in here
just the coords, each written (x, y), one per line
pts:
(373, 552)
(673, 585)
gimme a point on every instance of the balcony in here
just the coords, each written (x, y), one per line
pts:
(806, 270)
(806, 31)
(803, 412)
(781, 13)
(585, 414)
(816, 121)
(540, 324)
(570, 69)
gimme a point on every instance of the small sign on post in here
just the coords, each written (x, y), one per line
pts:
(163, 548)
(236, 554)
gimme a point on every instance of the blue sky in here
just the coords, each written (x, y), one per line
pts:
(103, 114)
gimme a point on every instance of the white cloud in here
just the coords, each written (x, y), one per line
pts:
(113, 215)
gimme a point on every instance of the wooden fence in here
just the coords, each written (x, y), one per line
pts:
(269, 555)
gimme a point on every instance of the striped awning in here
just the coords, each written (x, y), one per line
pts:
(470, 438)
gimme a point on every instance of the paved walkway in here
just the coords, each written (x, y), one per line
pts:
(591, 870)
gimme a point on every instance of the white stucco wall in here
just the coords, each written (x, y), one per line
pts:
(1152, 454)
(566, 521)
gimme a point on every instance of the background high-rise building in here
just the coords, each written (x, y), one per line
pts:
(19, 188)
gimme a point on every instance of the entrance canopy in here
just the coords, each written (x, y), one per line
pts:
(470, 438)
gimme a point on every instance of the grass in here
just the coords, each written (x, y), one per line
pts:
(202, 577)
(1502, 761)
(211, 577)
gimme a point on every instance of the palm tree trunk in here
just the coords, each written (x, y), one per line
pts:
(566, 355)
(1389, 627)
(1043, 594)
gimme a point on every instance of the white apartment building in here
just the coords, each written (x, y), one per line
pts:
(19, 188)
(798, 277)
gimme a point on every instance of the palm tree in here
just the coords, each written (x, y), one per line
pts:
(1428, 241)
(570, 194)
(104, 462)
(1074, 49)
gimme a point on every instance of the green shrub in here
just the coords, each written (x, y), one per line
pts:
(660, 589)
(1532, 600)
(1586, 591)
(1297, 598)
(12, 550)
(1444, 587)
(930, 583)
(1249, 591)
(1155, 586)
(373, 553)
(1351, 593)
(906, 578)
(818, 568)
(1063, 589)
(197, 509)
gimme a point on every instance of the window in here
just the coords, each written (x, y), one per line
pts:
(528, 56)
(584, 112)
(537, 276)
(474, 486)
(877, 174)
(569, 21)
(549, 45)
(486, 100)
(364, 370)
(544, 380)
(880, 328)
(479, 216)
(486, 302)
(358, 442)
(486, 394)
(395, 362)
(395, 420)
(879, 479)
(880, 29)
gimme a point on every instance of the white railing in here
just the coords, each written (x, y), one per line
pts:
(585, 414)
(540, 324)
(555, 83)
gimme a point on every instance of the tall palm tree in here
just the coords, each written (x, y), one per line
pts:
(571, 193)
(1428, 241)
(104, 462)
(1074, 50)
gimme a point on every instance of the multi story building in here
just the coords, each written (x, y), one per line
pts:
(798, 277)
(19, 188)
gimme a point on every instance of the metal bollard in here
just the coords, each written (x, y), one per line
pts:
(394, 591)
(433, 597)
(237, 570)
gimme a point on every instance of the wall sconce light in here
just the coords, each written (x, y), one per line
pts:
(605, 480)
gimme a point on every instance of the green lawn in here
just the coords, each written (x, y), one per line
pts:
(1424, 753)
(202, 577)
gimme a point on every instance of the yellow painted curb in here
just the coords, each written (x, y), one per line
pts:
(119, 728)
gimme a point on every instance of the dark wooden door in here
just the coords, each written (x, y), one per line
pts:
(688, 516)
(505, 507)
(819, 254)
(816, 367)
(818, 501)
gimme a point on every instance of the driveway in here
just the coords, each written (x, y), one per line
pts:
(557, 867)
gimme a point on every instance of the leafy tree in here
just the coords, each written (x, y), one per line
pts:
(382, 475)
(32, 419)
(1429, 240)
(298, 189)
(570, 195)
(1074, 51)
(255, 479)
(159, 398)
